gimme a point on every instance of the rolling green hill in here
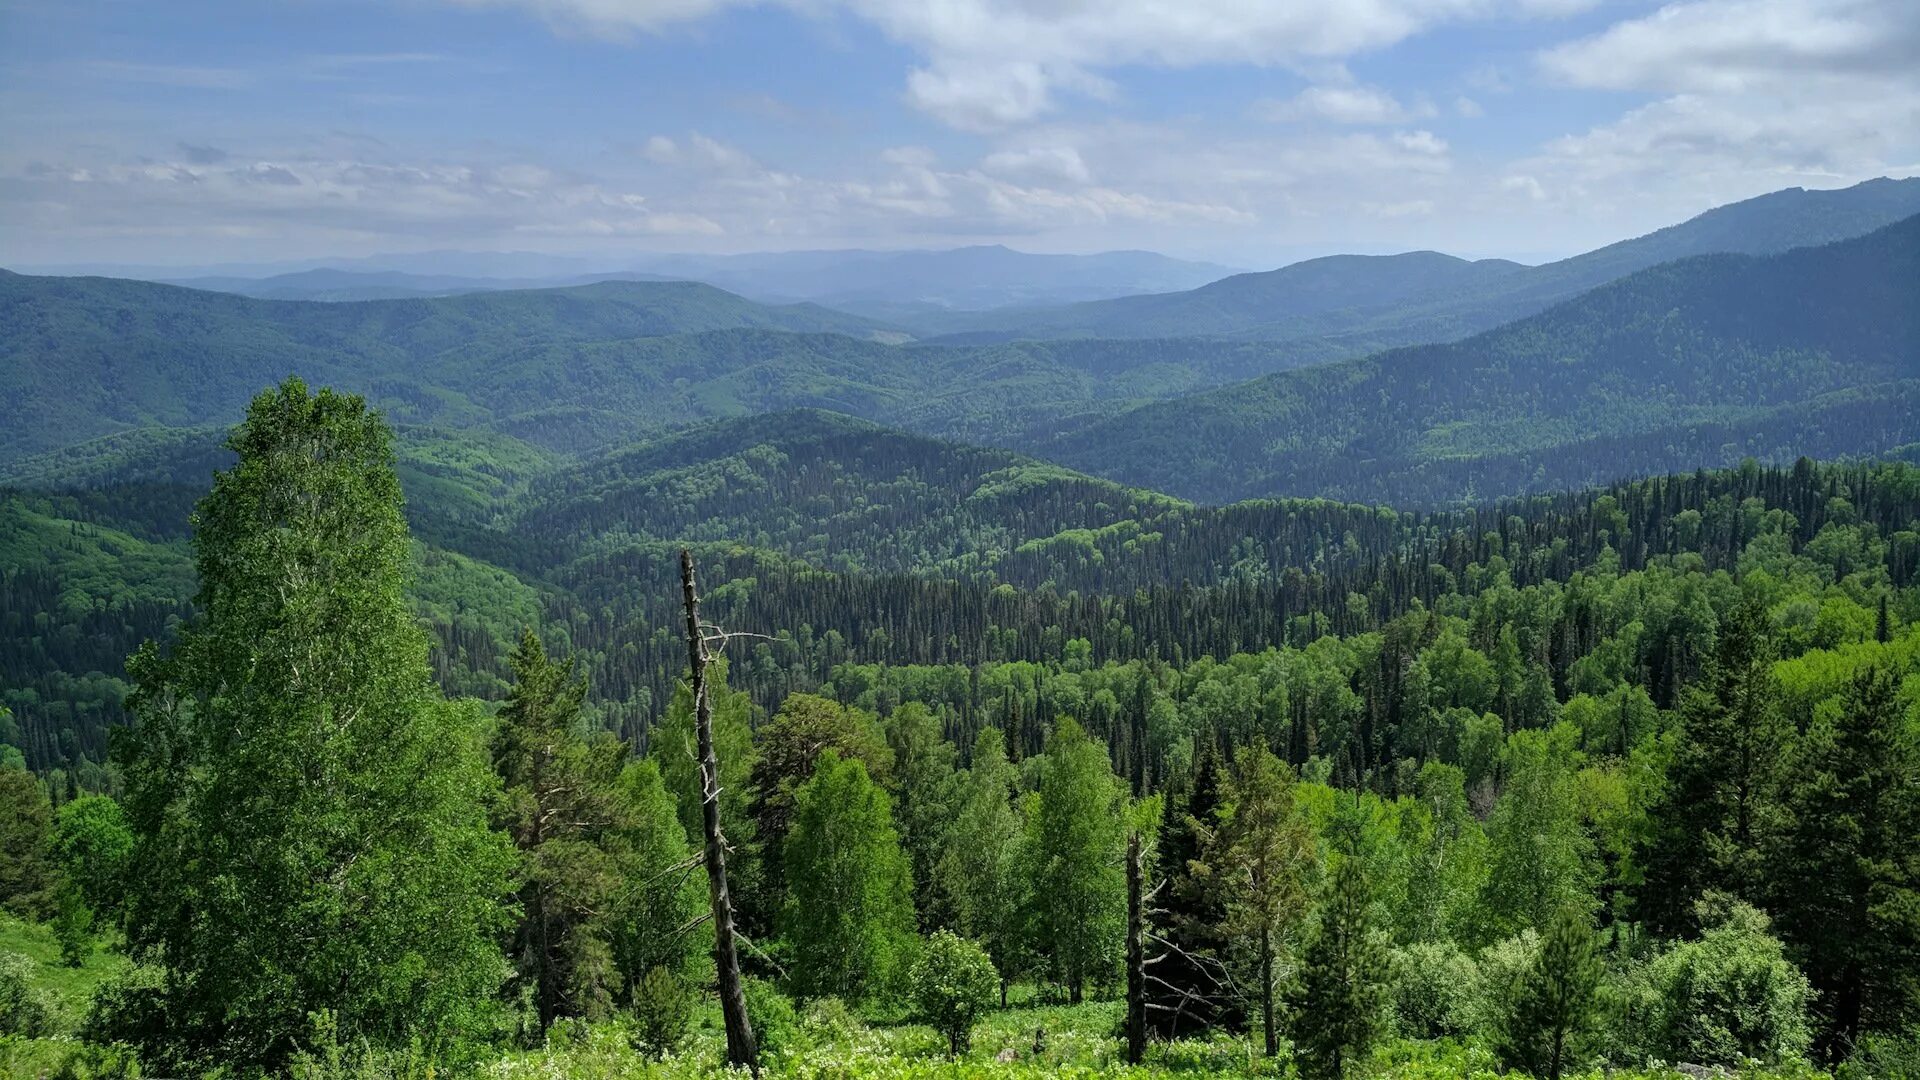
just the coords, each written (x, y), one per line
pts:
(574, 370)
(83, 357)
(1695, 362)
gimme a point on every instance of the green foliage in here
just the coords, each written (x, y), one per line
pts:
(1260, 855)
(72, 924)
(848, 920)
(1540, 857)
(1732, 996)
(1554, 999)
(26, 874)
(1705, 829)
(1339, 1002)
(953, 982)
(776, 1024)
(92, 843)
(308, 812)
(1433, 984)
(662, 1010)
(979, 870)
(23, 1007)
(1077, 904)
(1848, 862)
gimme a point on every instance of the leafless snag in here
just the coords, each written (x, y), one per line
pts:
(741, 1047)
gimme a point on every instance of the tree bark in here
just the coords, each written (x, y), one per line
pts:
(1266, 991)
(741, 1048)
(1136, 956)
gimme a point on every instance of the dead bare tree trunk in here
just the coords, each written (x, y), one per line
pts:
(741, 1048)
(1136, 954)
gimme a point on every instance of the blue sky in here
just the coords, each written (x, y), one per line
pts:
(202, 131)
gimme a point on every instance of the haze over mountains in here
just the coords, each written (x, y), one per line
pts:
(1639, 356)
(881, 283)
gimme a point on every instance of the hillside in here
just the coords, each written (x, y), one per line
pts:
(573, 370)
(1353, 304)
(1695, 362)
(1293, 301)
(83, 357)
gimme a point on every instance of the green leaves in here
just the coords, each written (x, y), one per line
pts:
(309, 815)
(953, 982)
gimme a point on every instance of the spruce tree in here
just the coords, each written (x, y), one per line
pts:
(848, 920)
(1338, 1003)
(1847, 865)
(1188, 988)
(309, 814)
(565, 809)
(1706, 829)
(27, 876)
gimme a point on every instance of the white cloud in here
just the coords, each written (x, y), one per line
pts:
(1053, 163)
(1759, 94)
(990, 64)
(1420, 142)
(1339, 105)
(1731, 46)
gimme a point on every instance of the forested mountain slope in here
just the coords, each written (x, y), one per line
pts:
(1700, 361)
(1274, 303)
(849, 542)
(81, 357)
(572, 370)
(1354, 305)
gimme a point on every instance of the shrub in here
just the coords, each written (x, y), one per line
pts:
(662, 1009)
(1432, 986)
(1883, 1057)
(1496, 983)
(953, 982)
(23, 1007)
(776, 1026)
(1732, 996)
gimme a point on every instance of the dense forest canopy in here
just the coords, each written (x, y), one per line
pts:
(624, 679)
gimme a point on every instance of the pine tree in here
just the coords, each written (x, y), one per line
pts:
(1555, 999)
(27, 877)
(1706, 829)
(1338, 1003)
(1075, 846)
(309, 813)
(1847, 865)
(848, 920)
(1259, 856)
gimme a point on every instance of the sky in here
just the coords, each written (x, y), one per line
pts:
(1247, 132)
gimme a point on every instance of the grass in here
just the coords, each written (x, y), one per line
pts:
(69, 988)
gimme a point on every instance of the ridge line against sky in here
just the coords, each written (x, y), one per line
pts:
(209, 131)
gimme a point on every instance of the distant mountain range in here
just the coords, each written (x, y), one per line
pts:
(1693, 361)
(1696, 362)
(1354, 305)
(883, 284)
